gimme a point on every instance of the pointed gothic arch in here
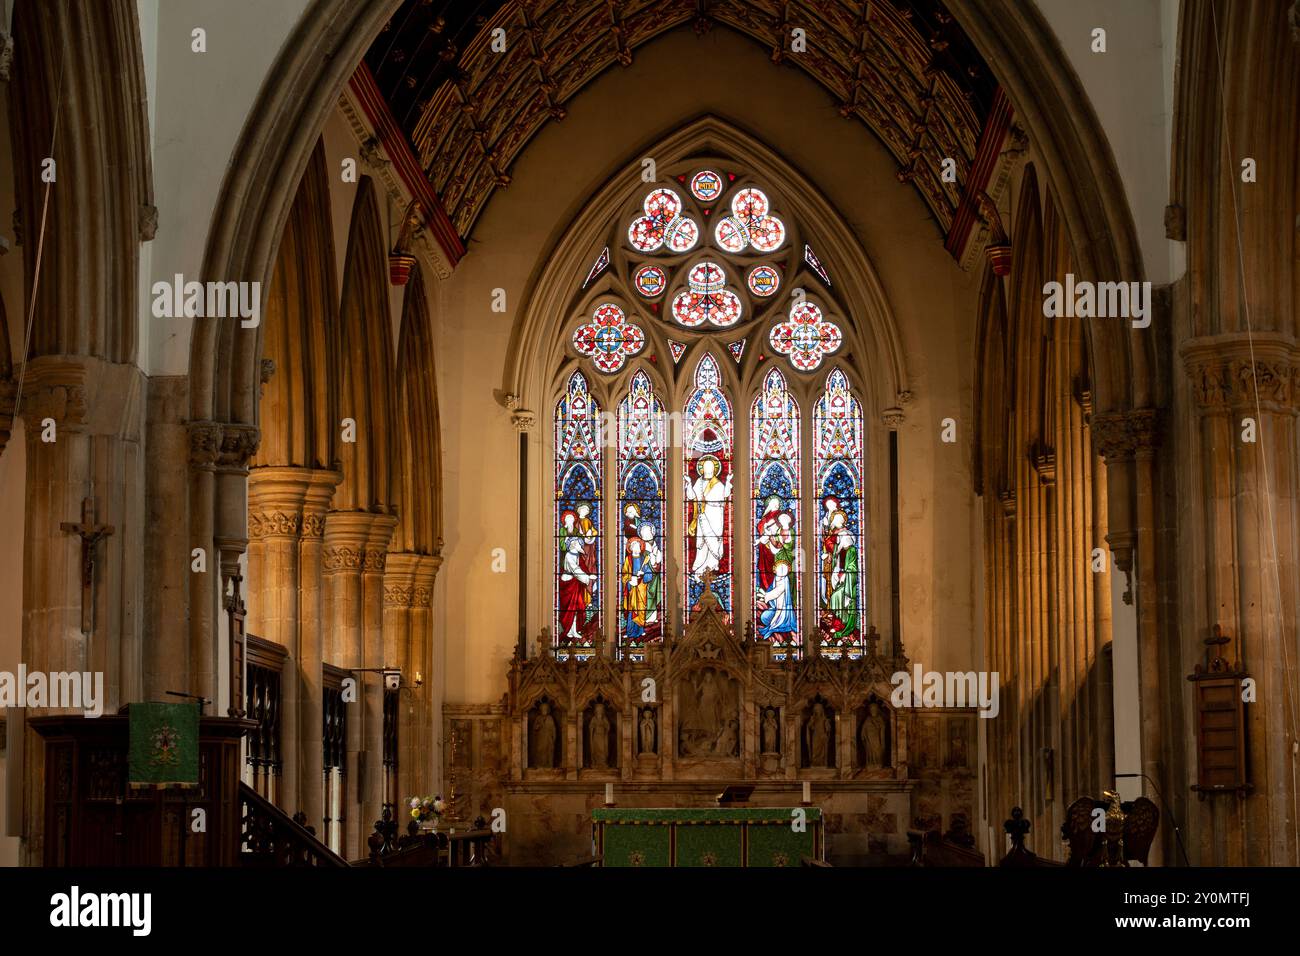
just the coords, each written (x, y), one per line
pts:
(419, 528)
(365, 378)
(301, 335)
(537, 341)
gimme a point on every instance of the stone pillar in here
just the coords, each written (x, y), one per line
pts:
(92, 412)
(285, 504)
(1243, 557)
(168, 566)
(1128, 442)
(205, 587)
(355, 555)
(311, 643)
(408, 642)
(230, 535)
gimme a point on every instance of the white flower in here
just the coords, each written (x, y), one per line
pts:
(415, 803)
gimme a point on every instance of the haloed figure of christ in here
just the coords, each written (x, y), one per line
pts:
(708, 496)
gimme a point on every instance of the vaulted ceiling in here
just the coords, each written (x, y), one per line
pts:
(902, 67)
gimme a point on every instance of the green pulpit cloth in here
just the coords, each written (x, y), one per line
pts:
(164, 745)
(722, 836)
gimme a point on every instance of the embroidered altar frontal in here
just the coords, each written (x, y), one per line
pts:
(722, 836)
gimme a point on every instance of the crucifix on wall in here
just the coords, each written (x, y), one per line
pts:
(90, 534)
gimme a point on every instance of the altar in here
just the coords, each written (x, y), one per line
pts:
(721, 836)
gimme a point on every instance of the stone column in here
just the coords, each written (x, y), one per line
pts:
(355, 554)
(230, 535)
(92, 413)
(1127, 442)
(205, 587)
(408, 596)
(311, 643)
(1243, 559)
(284, 505)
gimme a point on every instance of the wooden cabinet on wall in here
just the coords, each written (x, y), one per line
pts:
(94, 818)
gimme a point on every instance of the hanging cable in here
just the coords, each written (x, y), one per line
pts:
(40, 246)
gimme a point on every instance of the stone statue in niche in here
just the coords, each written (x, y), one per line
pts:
(710, 724)
(875, 732)
(728, 739)
(956, 744)
(771, 735)
(542, 753)
(648, 731)
(598, 737)
(817, 736)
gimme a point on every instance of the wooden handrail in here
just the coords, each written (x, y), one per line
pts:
(270, 837)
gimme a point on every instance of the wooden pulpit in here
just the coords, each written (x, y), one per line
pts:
(92, 817)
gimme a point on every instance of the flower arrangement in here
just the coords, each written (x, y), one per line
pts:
(427, 809)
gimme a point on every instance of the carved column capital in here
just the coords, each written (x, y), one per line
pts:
(55, 387)
(893, 418)
(1233, 371)
(357, 541)
(238, 444)
(523, 419)
(268, 524)
(1124, 436)
(399, 595)
(205, 444)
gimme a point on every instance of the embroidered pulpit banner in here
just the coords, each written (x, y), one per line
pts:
(164, 745)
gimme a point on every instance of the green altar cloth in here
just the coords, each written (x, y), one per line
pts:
(714, 836)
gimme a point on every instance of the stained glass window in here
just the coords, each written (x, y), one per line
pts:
(774, 481)
(764, 281)
(577, 520)
(707, 298)
(810, 257)
(806, 336)
(597, 267)
(707, 427)
(663, 225)
(683, 310)
(706, 185)
(641, 482)
(609, 338)
(750, 224)
(837, 471)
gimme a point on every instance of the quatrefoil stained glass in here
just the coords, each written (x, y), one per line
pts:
(609, 338)
(806, 337)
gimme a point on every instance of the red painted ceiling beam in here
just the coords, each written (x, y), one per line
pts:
(395, 143)
(981, 170)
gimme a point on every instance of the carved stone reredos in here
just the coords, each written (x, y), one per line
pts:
(708, 642)
(599, 676)
(537, 677)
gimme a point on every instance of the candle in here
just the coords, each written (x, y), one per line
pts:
(609, 794)
(807, 792)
